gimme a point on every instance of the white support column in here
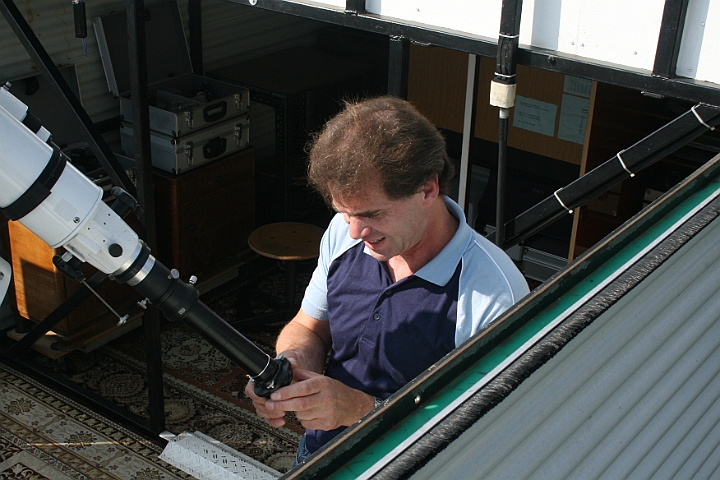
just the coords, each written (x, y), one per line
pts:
(467, 134)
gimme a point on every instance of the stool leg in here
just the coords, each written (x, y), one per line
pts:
(290, 271)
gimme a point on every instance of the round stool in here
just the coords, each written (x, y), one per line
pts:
(290, 242)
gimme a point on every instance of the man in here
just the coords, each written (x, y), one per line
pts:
(401, 279)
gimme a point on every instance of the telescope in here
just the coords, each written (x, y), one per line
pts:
(42, 190)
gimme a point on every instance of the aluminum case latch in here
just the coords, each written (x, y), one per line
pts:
(189, 153)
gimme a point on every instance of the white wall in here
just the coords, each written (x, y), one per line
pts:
(700, 48)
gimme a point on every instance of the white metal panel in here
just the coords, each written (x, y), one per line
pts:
(700, 47)
(544, 28)
(607, 31)
(480, 18)
(621, 32)
(616, 31)
(635, 395)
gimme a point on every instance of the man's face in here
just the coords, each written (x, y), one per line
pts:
(387, 227)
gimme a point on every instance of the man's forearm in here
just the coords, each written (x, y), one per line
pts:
(299, 337)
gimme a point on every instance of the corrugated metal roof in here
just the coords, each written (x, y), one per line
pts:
(635, 395)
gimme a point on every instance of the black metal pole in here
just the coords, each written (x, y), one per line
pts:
(671, 30)
(654, 147)
(501, 169)
(137, 62)
(195, 27)
(355, 7)
(502, 95)
(398, 65)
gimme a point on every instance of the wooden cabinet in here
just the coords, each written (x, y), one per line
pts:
(203, 217)
(40, 288)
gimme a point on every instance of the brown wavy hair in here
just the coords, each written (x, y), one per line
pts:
(381, 137)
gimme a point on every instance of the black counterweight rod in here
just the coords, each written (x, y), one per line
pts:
(501, 173)
(502, 95)
(179, 301)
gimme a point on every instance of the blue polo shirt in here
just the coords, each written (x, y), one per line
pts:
(384, 334)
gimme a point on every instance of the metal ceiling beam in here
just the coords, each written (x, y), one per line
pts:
(613, 74)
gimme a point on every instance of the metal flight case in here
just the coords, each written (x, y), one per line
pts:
(184, 107)
(180, 154)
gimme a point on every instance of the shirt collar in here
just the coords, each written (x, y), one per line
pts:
(441, 268)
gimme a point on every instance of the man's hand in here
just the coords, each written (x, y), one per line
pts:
(319, 402)
(274, 418)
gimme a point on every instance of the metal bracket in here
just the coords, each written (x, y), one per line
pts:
(355, 7)
(238, 134)
(189, 153)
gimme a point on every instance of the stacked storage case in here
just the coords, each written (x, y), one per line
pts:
(193, 119)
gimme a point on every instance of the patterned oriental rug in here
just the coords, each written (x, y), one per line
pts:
(203, 390)
(44, 435)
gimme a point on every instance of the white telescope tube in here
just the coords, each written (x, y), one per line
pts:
(73, 215)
